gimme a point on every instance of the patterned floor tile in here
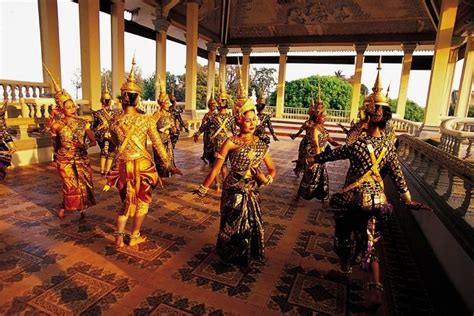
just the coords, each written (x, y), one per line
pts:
(19, 261)
(151, 254)
(206, 270)
(162, 302)
(305, 292)
(192, 218)
(317, 245)
(82, 288)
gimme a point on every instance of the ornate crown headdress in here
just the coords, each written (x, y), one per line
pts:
(106, 94)
(376, 98)
(163, 98)
(60, 95)
(130, 84)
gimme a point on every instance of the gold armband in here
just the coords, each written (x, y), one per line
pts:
(406, 197)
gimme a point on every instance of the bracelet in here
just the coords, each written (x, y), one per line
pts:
(269, 180)
(406, 197)
(202, 190)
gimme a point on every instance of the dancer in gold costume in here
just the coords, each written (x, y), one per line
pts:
(101, 125)
(134, 173)
(166, 127)
(7, 147)
(72, 137)
(241, 236)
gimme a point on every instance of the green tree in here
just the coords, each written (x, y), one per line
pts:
(413, 112)
(335, 93)
(262, 81)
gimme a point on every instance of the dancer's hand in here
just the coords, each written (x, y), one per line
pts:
(201, 191)
(175, 170)
(418, 206)
(196, 138)
(275, 138)
(106, 188)
(292, 136)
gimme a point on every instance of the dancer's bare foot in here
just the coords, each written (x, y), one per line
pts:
(82, 216)
(136, 239)
(61, 213)
(119, 240)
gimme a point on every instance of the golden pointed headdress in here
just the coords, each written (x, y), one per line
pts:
(106, 94)
(131, 85)
(318, 108)
(241, 93)
(377, 96)
(247, 106)
(212, 99)
(172, 96)
(222, 92)
(60, 95)
(163, 98)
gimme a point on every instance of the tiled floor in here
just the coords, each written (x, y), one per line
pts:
(71, 267)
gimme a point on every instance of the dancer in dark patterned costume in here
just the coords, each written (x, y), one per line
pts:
(177, 120)
(206, 129)
(7, 147)
(361, 209)
(166, 127)
(315, 181)
(265, 122)
(240, 237)
(101, 126)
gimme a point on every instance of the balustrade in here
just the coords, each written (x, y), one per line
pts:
(15, 90)
(451, 178)
(457, 136)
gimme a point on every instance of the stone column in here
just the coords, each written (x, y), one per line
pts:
(280, 101)
(192, 16)
(211, 69)
(439, 65)
(408, 49)
(161, 27)
(359, 62)
(448, 83)
(223, 51)
(465, 85)
(246, 50)
(49, 33)
(90, 51)
(118, 46)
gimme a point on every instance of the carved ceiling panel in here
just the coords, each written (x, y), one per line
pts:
(284, 18)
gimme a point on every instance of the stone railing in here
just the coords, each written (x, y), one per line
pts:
(15, 90)
(457, 136)
(450, 178)
(406, 126)
(302, 113)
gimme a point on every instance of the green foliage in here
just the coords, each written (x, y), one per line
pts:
(335, 92)
(413, 112)
(262, 81)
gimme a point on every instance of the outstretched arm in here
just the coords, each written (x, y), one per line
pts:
(221, 156)
(339, 153)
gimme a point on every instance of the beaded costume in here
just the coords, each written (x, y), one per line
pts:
(6, 143)
(70, 154)
(240, 235)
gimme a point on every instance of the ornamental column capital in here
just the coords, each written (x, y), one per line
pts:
(360, 48)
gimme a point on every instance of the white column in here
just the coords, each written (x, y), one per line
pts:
(90, 51)
(439, 66)
(465, 85)
(408, 49)
(280, 101)
(211, 69)
(192, 15)
(223, 51)
(118, 44)
(161, 27)
(448, 83)
(49, 33)
(359, 62)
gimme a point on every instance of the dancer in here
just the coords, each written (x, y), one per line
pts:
(265, 122)
(7, 146)
(101, 125)
(206, 129)
(240, 237)
(166, 127)
(72, 137)
(177, 120)
(134, 173)
(362, 209)
(315, 181)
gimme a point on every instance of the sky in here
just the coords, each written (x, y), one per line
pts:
(20, 52)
